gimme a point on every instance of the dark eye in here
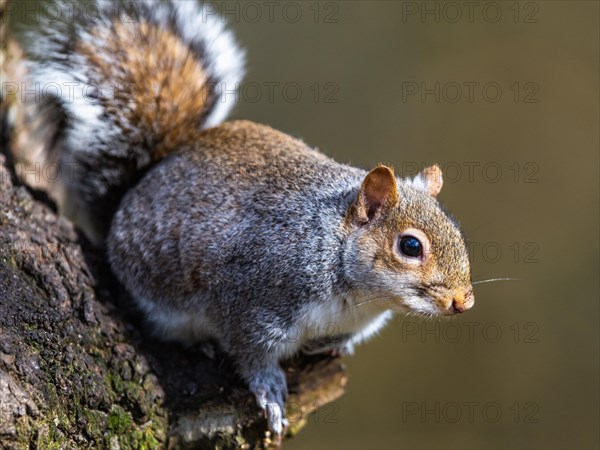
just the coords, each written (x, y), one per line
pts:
(410, 246)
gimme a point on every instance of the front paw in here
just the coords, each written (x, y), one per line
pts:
(270, 391)
(347, 349)
(335, 346)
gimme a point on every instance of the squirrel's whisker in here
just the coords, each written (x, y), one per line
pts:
(495, 279)
(369, 300)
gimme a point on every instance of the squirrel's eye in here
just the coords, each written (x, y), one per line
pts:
(410, 246)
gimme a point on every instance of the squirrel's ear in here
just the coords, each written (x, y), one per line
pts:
(429, 180)
(378, 190)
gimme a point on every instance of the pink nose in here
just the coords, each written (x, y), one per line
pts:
(462, 302)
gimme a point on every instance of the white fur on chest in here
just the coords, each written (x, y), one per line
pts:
(334, 318)
(316, 321)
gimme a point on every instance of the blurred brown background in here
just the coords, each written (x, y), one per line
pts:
(514, 121)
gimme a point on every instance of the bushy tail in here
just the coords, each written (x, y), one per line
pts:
(136, 80)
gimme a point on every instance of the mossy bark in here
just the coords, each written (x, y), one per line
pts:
(77, 369)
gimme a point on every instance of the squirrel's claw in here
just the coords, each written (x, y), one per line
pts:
(270, 397)
(275, 420)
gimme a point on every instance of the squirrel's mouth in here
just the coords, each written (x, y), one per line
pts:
(447, 305)
(421, 305)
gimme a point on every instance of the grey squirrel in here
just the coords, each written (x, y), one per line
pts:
(230, 231)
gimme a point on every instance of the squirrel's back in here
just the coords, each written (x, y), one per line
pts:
(135, 81)
(244, 201)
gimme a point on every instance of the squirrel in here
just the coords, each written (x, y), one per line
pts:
(231, 231)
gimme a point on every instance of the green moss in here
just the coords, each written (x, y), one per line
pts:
(61, 420)
(11, 261)
(51, 394)
(49, 437)
(130, 436)
(24, 433)
(94, 423)
(119, 420)
(145, 440)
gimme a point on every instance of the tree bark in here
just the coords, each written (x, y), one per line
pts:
(77, 367)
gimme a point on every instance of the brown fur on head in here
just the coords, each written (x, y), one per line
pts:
(387, 216)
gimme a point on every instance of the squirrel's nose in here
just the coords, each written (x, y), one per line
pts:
(462, 302)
